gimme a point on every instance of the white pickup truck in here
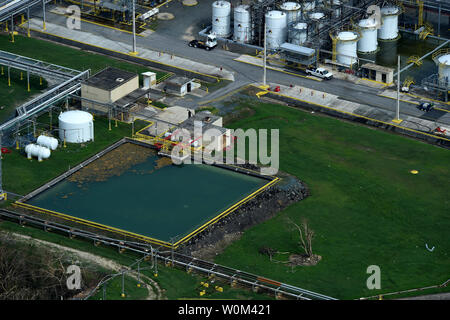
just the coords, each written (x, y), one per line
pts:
(320, 73)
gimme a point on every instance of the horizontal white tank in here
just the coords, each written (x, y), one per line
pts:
(76, 126)
(444, 67)
(318, 18)
(221, 12)
(242, 24)
(276, 29)
(292, 10)
(298, 33)
(48, 142)
(40, 152)
(346, 47)
(389, 23)
(368, 30)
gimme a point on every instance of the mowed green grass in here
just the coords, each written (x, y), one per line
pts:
(366, 208)
(66, 56)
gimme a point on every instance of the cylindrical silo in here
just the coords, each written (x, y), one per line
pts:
(389, 23)
(276, 29)
(221, 12)
(76, 126)
(346, 47)
(444, 67)
(318, 18)
(368, 30)
(292, 10)
(242, 24)
(298, 33)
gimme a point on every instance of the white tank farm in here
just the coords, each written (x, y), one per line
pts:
(444, 67)
(318, 18)
(346, 47)
(242, 24)
(221, 12)
(40, 152)
(76, 126)
(389, 23)
(48, 142)
(368, 30)
(298, 33)
(276, 29)
(292, 10)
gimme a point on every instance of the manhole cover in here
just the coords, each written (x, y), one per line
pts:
(165, 16)
(190, 3)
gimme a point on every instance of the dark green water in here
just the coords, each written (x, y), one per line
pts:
(163, 203)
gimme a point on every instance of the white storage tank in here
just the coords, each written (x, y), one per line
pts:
(346, 47)
(444, 67)
(221, 12)
(40, 152)
(292, 11)
(242, 24)
(298, 33)
(368, 30)
(389, 23)
(76, 126)
(48, 142)
(276, 29)
(318, 18)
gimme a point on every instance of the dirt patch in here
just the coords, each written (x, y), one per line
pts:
(303, 260)
(113, 163)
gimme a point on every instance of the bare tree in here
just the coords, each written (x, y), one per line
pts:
(306, 236)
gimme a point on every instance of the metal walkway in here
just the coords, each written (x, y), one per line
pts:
(69, 83)
(11, 8)
(207, 268)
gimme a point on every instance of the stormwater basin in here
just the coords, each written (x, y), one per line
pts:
(131, 188)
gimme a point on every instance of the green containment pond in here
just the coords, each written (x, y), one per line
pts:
(140, 192)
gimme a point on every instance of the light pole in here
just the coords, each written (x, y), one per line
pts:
(133, 14)
(265, 56)
(397, 111)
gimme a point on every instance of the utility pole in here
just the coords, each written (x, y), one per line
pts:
(134, 52)
(265, 55)
(397, 112)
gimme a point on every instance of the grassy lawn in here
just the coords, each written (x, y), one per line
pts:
(66, 56)
(366, 208)
(12, 96)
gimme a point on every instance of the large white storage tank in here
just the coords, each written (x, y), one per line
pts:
(444, 67)
(76, 126)
(221, 12)
(389, 23)
(298, 33)
(368, 30)
(242, 24)
(346, 47)
(276, 29)
(318, 18)
(292, 11)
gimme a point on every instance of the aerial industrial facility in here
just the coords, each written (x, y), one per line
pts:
(112, 103)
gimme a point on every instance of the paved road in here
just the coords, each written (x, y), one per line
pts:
(245, 73)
